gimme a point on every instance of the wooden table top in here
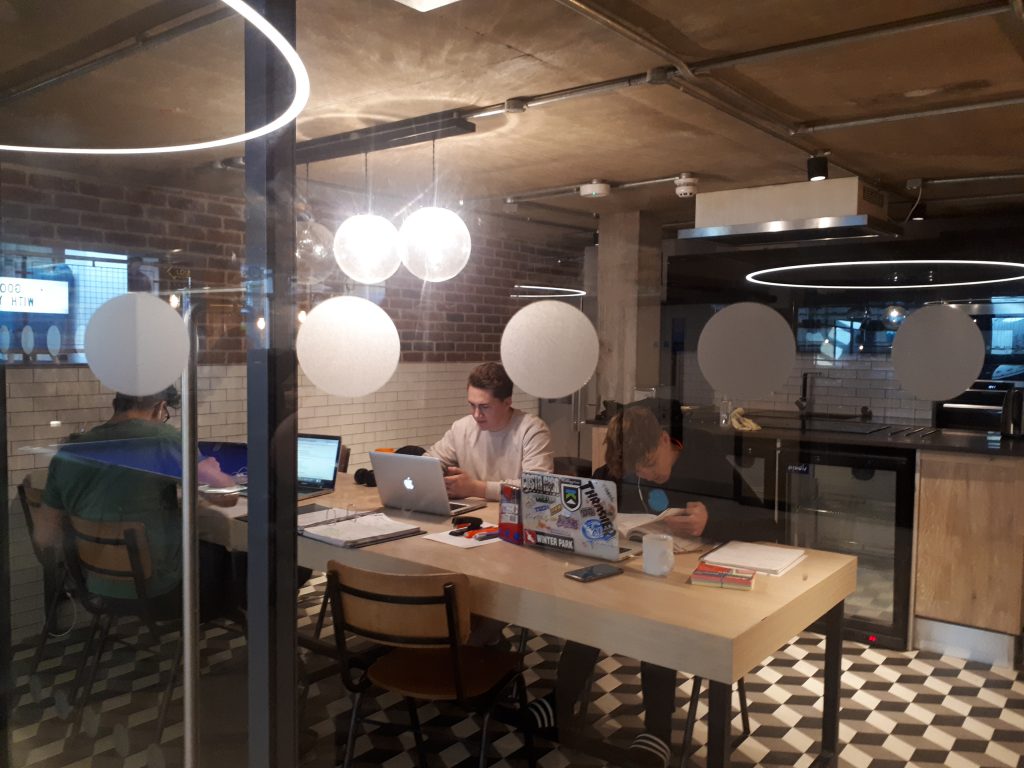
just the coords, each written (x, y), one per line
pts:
(719, 634)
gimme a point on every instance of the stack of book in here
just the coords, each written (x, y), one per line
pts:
(708, 575)
(763, 558)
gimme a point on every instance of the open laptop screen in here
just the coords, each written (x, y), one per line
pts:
(317, 460)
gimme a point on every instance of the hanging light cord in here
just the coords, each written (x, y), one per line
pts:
(366, 182)
(433, 168)
(920, 191)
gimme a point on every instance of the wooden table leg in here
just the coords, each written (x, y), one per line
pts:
(719, 729)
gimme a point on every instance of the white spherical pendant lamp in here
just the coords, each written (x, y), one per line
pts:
(544, 331)
(366, 248)
(136, 344)
(348, 346)
(435, 244)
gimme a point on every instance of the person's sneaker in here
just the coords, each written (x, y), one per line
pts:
(649, 751)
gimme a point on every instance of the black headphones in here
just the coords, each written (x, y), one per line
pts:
(364, 476)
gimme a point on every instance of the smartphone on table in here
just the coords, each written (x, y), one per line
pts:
(593, 572)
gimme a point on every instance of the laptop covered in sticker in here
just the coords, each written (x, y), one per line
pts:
(571, 514)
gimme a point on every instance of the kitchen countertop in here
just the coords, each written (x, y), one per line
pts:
(950, 440)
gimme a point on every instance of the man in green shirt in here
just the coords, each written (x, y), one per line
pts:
(128, 469)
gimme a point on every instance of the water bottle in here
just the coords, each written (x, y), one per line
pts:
(724, 409)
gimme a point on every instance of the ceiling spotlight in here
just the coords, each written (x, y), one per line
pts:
(686, 185)
(920, 212)
(817, 167)
(595, 188)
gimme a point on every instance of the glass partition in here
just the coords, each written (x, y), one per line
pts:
(413, 119)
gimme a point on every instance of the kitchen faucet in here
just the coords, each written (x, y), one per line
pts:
(803, 404)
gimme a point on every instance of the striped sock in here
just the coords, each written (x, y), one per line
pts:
(543, 712)
(649, 750)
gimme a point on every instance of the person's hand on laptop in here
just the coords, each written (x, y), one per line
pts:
(209, 474)
(459, 484)
(689, 521)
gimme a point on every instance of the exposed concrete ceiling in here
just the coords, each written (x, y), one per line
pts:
(737, 123)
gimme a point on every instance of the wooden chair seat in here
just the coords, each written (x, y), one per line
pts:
(419, 627)
(427, 673)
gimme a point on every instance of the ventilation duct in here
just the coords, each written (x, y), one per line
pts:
(786, 214)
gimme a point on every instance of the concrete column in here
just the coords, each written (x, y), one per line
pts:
(630, 286)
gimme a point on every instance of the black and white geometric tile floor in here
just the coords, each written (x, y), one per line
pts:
(898, 709)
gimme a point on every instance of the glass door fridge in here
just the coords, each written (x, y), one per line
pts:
(859, 501)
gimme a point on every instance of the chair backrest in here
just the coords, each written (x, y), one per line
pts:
(117, 551)
(421, 610)
(30, 494)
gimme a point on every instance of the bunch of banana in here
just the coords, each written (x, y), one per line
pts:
(741, 423)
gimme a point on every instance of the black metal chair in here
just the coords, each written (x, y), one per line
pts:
(418, 625)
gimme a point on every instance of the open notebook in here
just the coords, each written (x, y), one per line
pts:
(347, 528)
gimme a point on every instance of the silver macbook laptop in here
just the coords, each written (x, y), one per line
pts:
(415, 484)
(571, 514)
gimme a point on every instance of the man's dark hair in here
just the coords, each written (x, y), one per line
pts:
(123, 402)
(492, 377)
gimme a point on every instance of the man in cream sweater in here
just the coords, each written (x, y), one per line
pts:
(495, 443)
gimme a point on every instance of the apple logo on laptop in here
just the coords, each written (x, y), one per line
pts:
(409, 486)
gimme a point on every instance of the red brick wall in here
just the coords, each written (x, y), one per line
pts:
(459, 320)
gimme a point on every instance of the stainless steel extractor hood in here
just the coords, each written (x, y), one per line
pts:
(783, 214)
(820, 229)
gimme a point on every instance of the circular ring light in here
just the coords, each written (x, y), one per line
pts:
(290, 55)
(547, 292)
(937, 352)
(759, 275)
(348, 346)
(746, 351)
(549, 349)
(136, 344)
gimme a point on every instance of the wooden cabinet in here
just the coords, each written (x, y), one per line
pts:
(970, 541)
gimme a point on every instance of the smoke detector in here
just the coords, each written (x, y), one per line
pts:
(686, 185)
(595, 188)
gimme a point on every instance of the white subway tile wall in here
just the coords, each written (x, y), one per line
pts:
(44, 405)
(844, 387)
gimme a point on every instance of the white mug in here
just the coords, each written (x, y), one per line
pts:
(659, 557)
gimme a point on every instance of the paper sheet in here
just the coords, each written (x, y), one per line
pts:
(458, 541)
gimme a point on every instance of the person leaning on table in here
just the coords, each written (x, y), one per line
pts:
(641, 457)
(102, 491)
(495, 442)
